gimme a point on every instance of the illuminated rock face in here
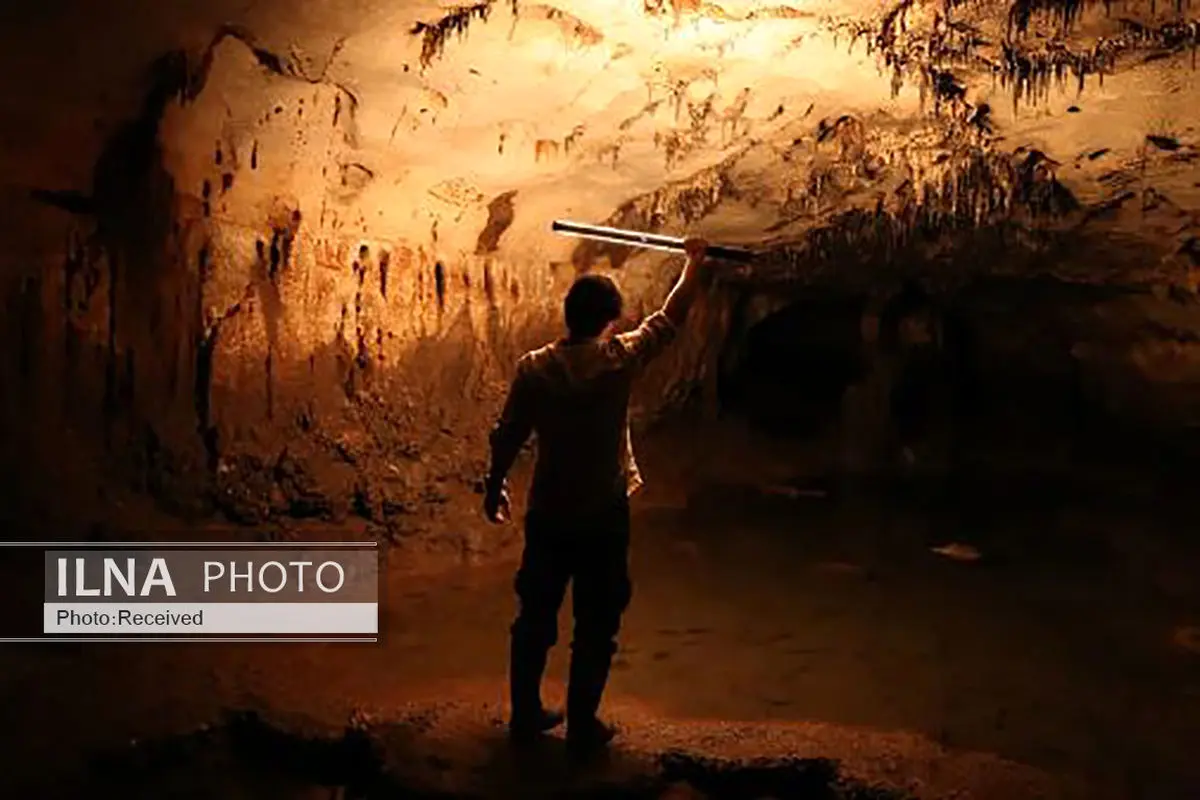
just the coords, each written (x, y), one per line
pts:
(300, 266)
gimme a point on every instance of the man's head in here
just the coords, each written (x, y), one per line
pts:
(593, 303)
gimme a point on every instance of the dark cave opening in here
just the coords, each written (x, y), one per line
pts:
(786, 373)
(1018, 375)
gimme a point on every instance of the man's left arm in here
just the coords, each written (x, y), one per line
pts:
(510, 433)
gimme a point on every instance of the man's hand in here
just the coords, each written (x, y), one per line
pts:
(496, 505)
(696, 249)
(697, 259)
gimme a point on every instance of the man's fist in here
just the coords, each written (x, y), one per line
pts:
(696, 248)
(496, 505)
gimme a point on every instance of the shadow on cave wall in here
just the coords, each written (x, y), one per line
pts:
(114, 379)
(107, 339)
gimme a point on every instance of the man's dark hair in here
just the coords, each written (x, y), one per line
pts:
(592, 303)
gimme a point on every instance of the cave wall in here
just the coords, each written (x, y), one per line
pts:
(287, 269)
(235, 313)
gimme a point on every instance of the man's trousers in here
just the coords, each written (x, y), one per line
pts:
(591, 552)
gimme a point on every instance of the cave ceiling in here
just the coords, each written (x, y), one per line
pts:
(831, 128)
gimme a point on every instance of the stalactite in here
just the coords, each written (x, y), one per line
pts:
(1065, 12)
(969, 190)
(454, 23)
(937, 53)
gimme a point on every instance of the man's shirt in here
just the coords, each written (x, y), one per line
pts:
(574, 398)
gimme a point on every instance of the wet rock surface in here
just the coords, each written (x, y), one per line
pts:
(776, 617)
(247, 755)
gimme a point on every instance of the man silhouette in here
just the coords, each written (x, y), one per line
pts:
(573, 394)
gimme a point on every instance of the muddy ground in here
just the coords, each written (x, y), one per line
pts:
(769, 622)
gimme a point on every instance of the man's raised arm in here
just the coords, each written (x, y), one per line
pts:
(683, 295)
(658, 330)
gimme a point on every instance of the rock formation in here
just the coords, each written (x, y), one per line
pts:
(280, 260)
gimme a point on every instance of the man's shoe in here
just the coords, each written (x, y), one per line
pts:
(526, 727)
(589, 736)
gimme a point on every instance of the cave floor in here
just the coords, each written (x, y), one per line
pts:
(762, 624)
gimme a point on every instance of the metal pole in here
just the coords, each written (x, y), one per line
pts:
(650, 241)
